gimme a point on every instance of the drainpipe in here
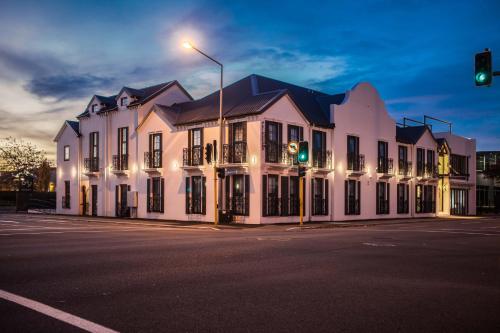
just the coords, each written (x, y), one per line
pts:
(331, 186)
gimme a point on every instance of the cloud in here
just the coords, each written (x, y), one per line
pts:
(68, 86)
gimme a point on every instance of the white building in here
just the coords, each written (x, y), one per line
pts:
(141, 153)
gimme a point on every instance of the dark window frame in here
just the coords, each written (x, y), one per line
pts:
(66, 158)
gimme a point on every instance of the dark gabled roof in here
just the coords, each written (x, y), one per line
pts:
(75, 125)
(108, 101)
(411, 134)
(252, 95)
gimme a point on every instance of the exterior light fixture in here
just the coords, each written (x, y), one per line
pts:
(187, 45)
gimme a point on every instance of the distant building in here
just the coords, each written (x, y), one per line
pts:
(140, 153)
(488, 188)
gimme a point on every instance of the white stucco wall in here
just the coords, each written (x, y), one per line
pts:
(68, 171)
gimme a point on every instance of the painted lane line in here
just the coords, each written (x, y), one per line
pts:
(55, 313)
(379, 244)
(431, 231)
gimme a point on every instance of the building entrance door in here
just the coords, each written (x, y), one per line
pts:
(459, 201)
(94, 200)
(85, 203)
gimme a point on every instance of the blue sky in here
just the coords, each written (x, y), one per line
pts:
(54, 55)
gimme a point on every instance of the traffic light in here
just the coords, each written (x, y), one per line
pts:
(303, 156)
(221, 173)
(483, 70)
(208, 153)
(302, 171)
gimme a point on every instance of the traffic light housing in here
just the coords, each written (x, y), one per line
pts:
(303, 154)
(302, 171)
(208, 153)
(483, 72)
(221, 173)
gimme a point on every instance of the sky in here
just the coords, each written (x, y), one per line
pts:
(55, 55)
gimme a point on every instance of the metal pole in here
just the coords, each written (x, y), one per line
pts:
(221, 129)
(301, 200)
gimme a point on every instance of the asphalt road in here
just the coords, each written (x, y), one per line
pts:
(417, 277)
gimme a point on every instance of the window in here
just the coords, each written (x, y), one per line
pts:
(403, 195)
(93, 164)
(238, 194)
(66, 153)
(459, 165)
(431, 162)
(383, 198)
(420, 162)
(403, 160)
(480, 162)
(121, 161)
(273, 141)
(295, 133)
(124, 101)
(353, 161)
(196, 192)
(425, 198)
(459, 201)
(319, 195)
(66, 199)
(155, 150)
(383, 157)
(294, 200)
(236, 150)
(155, 194)
(319, 149)
(195, 146)
(352, 197)
(95, 107)
(270, 200)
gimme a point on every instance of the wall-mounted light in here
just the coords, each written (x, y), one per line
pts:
(73, 172)
(175, 165)
(254, 159)
(340, 167)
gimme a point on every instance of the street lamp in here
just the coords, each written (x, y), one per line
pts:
(188, 45)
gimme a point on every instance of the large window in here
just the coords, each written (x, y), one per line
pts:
(352, 197)
(403, 195)
(120, 162)
(459, 165)
(403, 166)
(195, 146)
(154, 156)
(319, 196)
(425, 198)
(383, 157)
(238, 194)
(383, 198)
(353, 160)
(273, 141)
(295, 133)
(155, 194)
(459, 203)
(270, 200)
(236, 150)
(196, 192)
(93, 161)
(420, 162)
(66, 153)
(319, 149)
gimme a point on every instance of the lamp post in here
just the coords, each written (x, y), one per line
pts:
(218, 204)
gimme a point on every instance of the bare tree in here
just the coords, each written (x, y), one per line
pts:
(22, 160)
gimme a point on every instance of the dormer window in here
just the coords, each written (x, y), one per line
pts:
(95, 107)
(124, 101)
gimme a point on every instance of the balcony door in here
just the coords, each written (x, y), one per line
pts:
(94, 151)
(237, 142)
(319, 149)
(352, 152)
(273, 141)
(195, 146)
(383, 157)
(94, 200)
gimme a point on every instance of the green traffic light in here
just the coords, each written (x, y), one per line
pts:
(481, 77)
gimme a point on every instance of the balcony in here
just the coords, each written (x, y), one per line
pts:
(404, 169)
(277, 154)
(239, 205)
(385, 166)
(355, 164)
(91, 166)
(152, 160)
(322, 159)
(66, 202)
(235, 153)
(119, 164)
(192, 157)
(430, 171)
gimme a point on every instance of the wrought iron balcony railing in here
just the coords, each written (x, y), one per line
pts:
(403, 207)
(404, 168)
(155, 204)
(239, 205)
(385, 165)
(322, 159)
(152, 159)
(192, 156)
(319, 206)
(430, 170)
(91, 164)
(194, 206)
(352, 207)
(273, 205)
(120, 162)
(234, 153)
(276, 153)
(356, 162)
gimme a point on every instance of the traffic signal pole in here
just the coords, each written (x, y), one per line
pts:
(301, 200)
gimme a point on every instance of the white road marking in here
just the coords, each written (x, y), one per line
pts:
(8, 221)
(432, 231)
(55, 313)
(379, 244)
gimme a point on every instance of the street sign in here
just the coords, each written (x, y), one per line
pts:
(293, 147)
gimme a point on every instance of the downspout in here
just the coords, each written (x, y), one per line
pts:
(331, 183)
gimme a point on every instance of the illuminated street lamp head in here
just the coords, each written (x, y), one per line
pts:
(187, 45)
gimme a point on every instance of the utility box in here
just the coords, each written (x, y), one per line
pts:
(132, 199)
